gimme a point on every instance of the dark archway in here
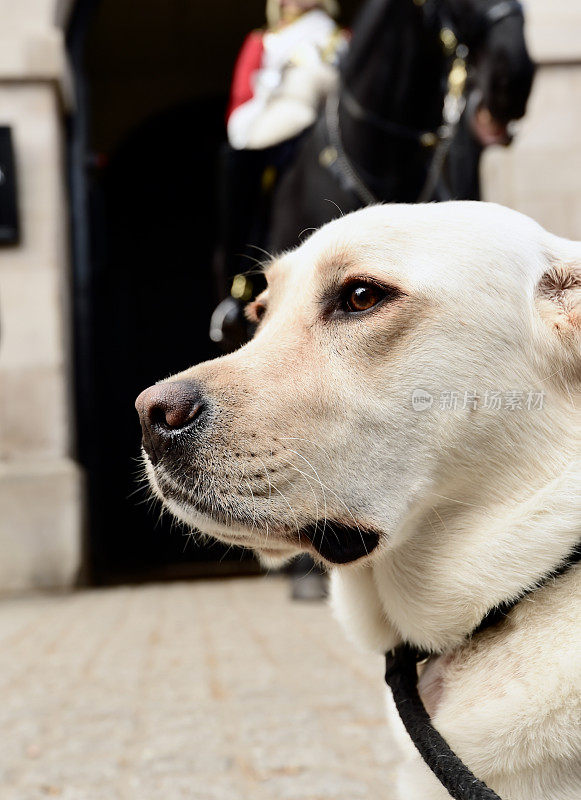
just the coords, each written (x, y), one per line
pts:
(151, 85)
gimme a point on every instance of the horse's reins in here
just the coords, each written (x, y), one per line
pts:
(440, 140)
(402, 677)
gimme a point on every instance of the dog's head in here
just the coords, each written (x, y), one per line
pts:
(401, 353)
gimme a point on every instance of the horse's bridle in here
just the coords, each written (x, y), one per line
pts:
(454, 103)
(455, 45)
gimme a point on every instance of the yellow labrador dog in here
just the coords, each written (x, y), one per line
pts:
(406, 413)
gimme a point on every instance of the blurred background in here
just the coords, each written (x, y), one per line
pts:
(113, 117)
(116, 114)
(112, 122)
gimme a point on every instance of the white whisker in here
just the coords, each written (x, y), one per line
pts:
(306, 460)
(328, 200)
(306, 477)
(460, 502)
(272, 486)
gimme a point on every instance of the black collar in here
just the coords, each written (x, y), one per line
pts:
(499, 612)
(402, 677)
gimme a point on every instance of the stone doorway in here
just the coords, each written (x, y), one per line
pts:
(152, 89)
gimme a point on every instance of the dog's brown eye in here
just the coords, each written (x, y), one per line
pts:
(361, 296)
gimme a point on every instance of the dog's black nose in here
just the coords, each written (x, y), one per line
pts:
(165, 409)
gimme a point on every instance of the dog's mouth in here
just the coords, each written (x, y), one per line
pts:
(336, 542)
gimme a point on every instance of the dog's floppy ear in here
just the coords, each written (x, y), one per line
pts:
(558, 300)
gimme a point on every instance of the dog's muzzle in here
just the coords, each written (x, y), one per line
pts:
(175, 419)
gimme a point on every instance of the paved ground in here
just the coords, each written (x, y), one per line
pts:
(209, 691)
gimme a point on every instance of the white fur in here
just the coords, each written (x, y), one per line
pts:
(472, 506)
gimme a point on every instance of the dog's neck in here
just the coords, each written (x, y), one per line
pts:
(458, 559)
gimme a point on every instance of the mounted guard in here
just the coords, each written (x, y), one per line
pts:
(284, 72)
(422, 88)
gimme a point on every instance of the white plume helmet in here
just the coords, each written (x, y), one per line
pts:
(273, 10)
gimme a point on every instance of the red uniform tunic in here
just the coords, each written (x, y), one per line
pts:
(249, 60)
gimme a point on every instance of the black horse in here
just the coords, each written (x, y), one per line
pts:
(414, 87)
(384, 136)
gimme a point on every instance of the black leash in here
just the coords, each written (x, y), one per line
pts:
(402, 678)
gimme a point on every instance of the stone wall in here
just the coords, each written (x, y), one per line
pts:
(40, 497)
(540, 174)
